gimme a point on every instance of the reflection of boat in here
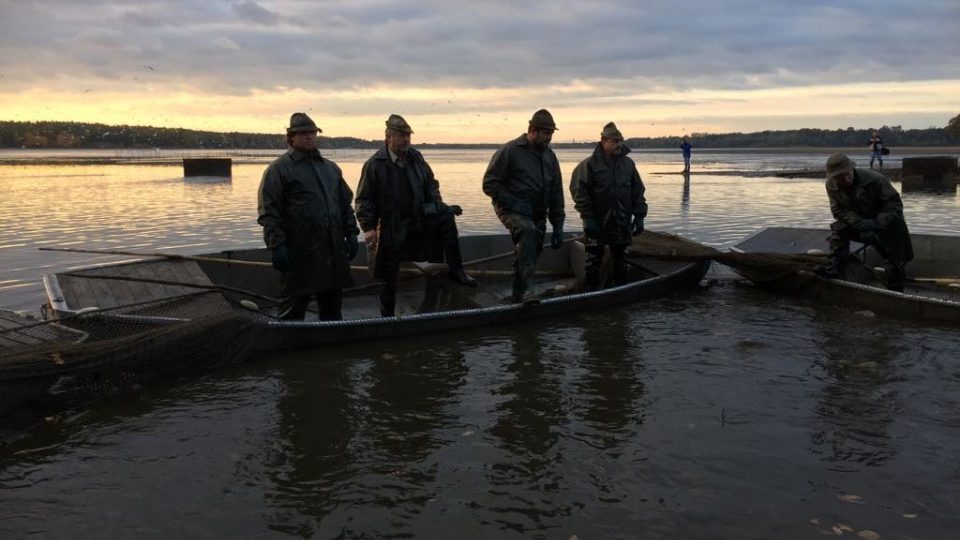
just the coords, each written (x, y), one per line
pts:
(424, 303)
(931, 294)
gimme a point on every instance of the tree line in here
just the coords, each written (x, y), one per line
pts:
(86, 135)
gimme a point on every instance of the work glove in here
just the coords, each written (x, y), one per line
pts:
(871, 239)
(280, 258)
(591, 228)
(556, 239)
(351, 245)
(637, 224)
(865, 225)
(455, 209)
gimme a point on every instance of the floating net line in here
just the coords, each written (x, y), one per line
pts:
(757, 267)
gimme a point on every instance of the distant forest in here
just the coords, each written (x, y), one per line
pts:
(82, 135)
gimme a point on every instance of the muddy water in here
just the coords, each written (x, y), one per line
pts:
(724, 413)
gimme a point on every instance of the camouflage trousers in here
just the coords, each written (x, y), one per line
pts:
(527, 235)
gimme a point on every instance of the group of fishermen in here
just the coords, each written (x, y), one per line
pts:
(310, 219)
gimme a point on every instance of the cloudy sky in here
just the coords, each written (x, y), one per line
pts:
(475, 71)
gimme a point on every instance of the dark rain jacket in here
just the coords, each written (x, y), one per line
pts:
(377, 197)
(609, 193)
(304, 203)
(873, 197)
(519, 179)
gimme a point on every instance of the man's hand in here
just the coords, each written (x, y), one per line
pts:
(556, 240)
(455, 209)
(352, 246)
(865, 225)
(370, 237)
(637, 225)
(280, 258)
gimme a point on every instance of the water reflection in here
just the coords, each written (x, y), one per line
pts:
(685, 199)
(857, 404)
(610, 384)
(313, 457)
(527, 430)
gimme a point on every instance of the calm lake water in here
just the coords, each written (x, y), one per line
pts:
(724, 413)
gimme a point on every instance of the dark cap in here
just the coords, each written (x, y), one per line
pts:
(542, 119)
(838, 163)
(397, 123)
(610, 131)
(301, 123)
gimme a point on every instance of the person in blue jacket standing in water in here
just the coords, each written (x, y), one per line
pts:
(686, 146)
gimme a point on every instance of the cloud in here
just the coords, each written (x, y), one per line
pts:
(485, 56)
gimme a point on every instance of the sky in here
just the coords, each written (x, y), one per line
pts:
(476, 71)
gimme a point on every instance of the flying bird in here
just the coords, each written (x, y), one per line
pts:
(148, 67)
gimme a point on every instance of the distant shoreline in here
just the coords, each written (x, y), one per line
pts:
(170, 157)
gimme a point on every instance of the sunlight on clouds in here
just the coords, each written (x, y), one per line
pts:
(451, 114)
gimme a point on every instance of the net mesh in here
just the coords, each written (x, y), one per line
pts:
(106, 349)
(757, 267)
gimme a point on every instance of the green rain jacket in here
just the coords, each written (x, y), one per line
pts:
(873, 197)
(609, 193)
(305, 203)
(522, 181)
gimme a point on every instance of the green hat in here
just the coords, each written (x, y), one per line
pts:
(301, 123)
(542, 119)
(610, 131)
(838, 163)
(397, 123)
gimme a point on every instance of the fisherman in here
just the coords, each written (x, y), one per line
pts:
(402, 214)
(686, 147)
(876, 149)
(608, 193)
(869, 210)
(306, 211)
(524, 182)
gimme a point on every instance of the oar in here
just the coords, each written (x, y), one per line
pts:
(171, 256)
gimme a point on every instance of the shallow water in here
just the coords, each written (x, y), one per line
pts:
(724, 413)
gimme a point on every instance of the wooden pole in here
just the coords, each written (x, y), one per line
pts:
(171, 256)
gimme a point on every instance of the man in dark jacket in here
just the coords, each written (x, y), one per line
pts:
(306, 212)
(608, 193)
(869, 210)
(523, 180)
(402, 214)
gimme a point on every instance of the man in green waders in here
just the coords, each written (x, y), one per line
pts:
(306, 211)
(523, 181)
(608, 193)
(867, 209)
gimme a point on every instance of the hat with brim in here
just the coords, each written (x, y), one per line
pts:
(610, 131)
(542, 119)
(838, 164)
(301, 123)
(397, 123)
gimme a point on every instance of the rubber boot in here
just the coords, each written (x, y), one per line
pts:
(455, 262)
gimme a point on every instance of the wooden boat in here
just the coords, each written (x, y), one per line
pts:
(931, 294)
(119, 325)
(425, 303)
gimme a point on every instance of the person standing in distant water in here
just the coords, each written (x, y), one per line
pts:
(306, 211)
(876, 149)
(524, 183)
(402, 214)
(686, 146)
(867, 209)
(608, 193)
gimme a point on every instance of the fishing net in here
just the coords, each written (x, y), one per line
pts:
(104, 351)
(757, 267)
